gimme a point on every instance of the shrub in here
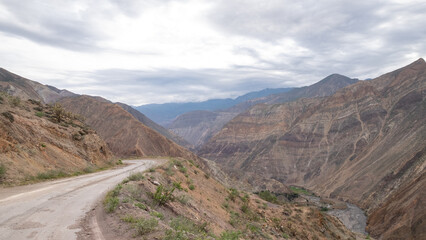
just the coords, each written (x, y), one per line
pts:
(157, 214)
(8, 116)
(163, 195)
(184, 228)
(2, 172)
(233, 194)
(111, 200)
(16, 101)
(136, 176)
(207, 176)
(183, 169)
(183, 199)
(191, 187)
(178, 185)
(268, 196)
(151, 170)
(230, 235)
(39, 114)
(129, 218)
(141, 206)
(144, 226)
(324, 209)
(58, 112)
(119, 162)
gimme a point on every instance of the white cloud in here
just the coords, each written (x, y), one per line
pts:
(159, 51)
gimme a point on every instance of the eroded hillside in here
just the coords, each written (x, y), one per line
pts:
(180, 201)
(39, 141)
(363, 144)
(124, 134)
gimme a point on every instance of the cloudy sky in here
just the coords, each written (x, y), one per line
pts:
(148, 51)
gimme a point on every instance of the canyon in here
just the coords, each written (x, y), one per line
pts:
(364, 144)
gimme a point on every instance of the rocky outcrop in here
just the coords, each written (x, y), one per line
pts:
(124, 134)
(197, 127)
(32, 142)
(359, 144)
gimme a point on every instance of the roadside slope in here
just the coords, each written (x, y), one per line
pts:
(34, 144)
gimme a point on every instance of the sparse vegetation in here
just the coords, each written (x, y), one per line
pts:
(233, 194)
(184, 228)
(8, 116)
(136, 176)
(111, 200)
(141, 206)
(268, 196)
(324, 209)
(191, 187)
(300, 191)
(58, 112)
(230, 235)
(157, 215)
(39, 114)
(163, 195)
(144, 226)
(2, 172)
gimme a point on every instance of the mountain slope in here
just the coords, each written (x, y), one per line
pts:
(359, 144)
(34, 145)
(197, 127)
(149, 123)
(165, 113)
(26, 89)
(124, 134)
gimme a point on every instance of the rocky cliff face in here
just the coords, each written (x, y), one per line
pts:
(124, 134)
(32, 142)
(362, 144)
(197, 127)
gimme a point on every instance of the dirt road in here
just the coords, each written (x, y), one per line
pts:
(52, 210)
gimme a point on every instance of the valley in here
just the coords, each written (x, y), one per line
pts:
(357, 146)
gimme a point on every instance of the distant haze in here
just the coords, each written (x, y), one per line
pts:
(141, 52)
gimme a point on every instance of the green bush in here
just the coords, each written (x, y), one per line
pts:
(230, 235)
(184, 228)
(129, 218)
(144, 226)
(268, 196)
(136, 176)
(39, 114)
(233, 194)
(141, 206)
(111, 200)
(191, 187)
(2, 172)
(8, 116)
(324, 209)
(157, 214)
(178, 185)
(163, 195)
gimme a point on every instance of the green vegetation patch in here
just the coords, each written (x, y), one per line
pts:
(184, 228)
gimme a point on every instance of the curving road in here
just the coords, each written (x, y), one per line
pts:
(52, 210)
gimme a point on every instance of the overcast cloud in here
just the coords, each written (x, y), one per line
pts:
(149, 51)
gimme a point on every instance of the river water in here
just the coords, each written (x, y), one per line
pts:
(352, 217)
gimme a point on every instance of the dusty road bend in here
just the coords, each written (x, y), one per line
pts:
(52, 210)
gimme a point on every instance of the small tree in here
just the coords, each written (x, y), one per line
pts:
(58, 112)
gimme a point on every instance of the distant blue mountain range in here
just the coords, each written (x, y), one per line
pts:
(166, 112)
